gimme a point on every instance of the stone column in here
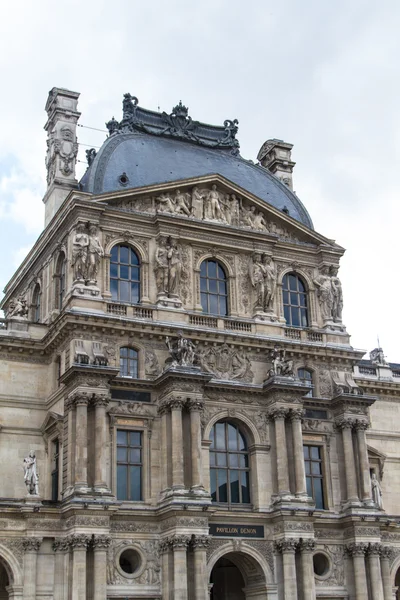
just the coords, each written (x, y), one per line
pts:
(60, 547)
(79, 544)
(279, 414)
(288, 549)
(165, 576)
(101, 401)
(373, 553)
(346, 426)
(195, 407)
(176, 405)
(179, 544)
(69, 409)
(164, 458)
(100, 545)
(307, 547)
(200, 543)
(357, 551)
(81, 403)
(31, 548)
(386, 554)
(366, 494)
(296, 417)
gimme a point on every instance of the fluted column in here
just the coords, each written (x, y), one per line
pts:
(357, 551)
(60, 547)
(307, 547)
(79, 544)
(386, 554)
(176, 405)
(373, 553)
(100, 545)
(81, 454)
(200, 543)
(163, 410)
(296, 417)
(179, 545)
(101, 402)
(69, 409)
(31, 548)
(288, 550)
(366, 493)
(195, 407)
(282, 469)
(346, 426)
(165, 547)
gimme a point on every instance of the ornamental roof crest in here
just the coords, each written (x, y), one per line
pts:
(178, 124)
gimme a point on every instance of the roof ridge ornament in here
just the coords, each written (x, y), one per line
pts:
(177, 124)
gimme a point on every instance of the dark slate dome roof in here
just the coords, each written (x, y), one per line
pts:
(153, 148)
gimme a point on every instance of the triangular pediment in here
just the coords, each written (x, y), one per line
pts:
(216, 201)
(51, 420)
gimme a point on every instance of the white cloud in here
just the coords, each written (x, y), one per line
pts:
(20, 254)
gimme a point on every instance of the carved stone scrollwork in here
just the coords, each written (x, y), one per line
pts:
(101, 542)
(386, 552)
(31, 544)
(281, 366)
(18, 308)
(374, 548)
(101, 400)
(344, 423)
(164, 546)
(306, 545)
(195, 404)
(361, 425)
(61, 545)
(277, 413)
(288, 545)
(226, 363)
(296, 414)
(179, 542)
(182, 350)
(176, 403)
(357, 549)
(79, 541)
(200, 541)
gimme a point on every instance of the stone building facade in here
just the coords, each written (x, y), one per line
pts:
(182, 413)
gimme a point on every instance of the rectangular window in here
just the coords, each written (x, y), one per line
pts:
(314, 474)
(55, 469)
(129, 465)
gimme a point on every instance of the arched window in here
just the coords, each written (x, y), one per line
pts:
(124, 274)
(128, 362)
(36, 303)
(305, 377)
(60, 281)
(294, 301)
(213, 288)
(229, 464)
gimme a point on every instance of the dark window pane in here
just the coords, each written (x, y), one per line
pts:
(113, 270)
(308, 468)
(204, 302)
(212, 269)
(318, 494)
(203, 284)
(292, 282)
(245, 487)
(222, 485)
(135, 455)
(124, 272)
(242, 442)
(134, 258)
(124, 291)
(232, 437)
(221, 273)
(223, 308)
(135, 274)
(315, 452)
(212, 437)
(114, 254)
(306, 451)
(309, 487)
(212, 459)
(114, 289)
(294, 299)
(122, 454)
(213, 305)
(234, 460)
(244, 460)
(316, 468)
(213, 286)
(124, 254)
(213, 484)
(220, 435)
(221, 459)
(286, 297)
(135, 438)
(135, 483)
(234, 481)
(122, 482)
(122, 437)
(295, 318)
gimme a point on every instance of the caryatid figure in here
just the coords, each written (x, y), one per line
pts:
(337, 294)
(161, 267)
(269, 281)
(31, 477)
(174, 268)
(80, 245)
(256, 273)
(325, 293)
(95, 252)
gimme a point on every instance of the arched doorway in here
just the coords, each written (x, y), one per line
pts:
(227, 581)
(397, 583)
(4, 582)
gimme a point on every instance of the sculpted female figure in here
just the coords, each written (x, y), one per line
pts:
(197, 204)
(256, 273)
(31, 477)
(95, 252)
(80, 245)
(269, 281)
(325, 293)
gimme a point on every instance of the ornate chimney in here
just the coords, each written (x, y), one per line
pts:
(62, 148)
(275, 155)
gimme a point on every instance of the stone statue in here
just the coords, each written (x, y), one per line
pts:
(235, 211)
(80, 245)
(377, 357)
(174, 268)
(181, 204)
(112, 126)
(337, 294)
(18, 308)
(269, 281)
(167, 203)
(182, 351)
(226, 362)
(281, 366)
(376, 492)
(31, 476)
(325, 293)
(248, 216)
(197, 204)
(214, 205)
(94, 253)
(256, 273)
(259, 222)
(90, 156)
(161, 268)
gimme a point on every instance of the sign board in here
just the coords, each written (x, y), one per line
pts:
(224, 530)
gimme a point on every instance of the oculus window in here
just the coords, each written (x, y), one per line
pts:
(213, 288)
(229, 464)
(295, 307)
(124, 274)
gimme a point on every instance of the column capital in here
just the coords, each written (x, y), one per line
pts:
(344, 422)
(195, 404)
(31, 544)
(164, 546)
(361, 425)
(69, 404)
(386, 552)
(179, 542)
(200, 541)
(307, 545)
(101, 542)
(296, 414)
(287, 546)
(81, 398)
(101, 399)
(61, 545)
(374, 549)
(176, 403)
(357, 549)
(277, 413)
(79, 541)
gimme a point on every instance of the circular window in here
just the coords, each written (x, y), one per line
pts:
(129, 561)
(321, 564)
(123, 179)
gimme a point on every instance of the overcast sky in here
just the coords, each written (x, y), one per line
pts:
(324, 76)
